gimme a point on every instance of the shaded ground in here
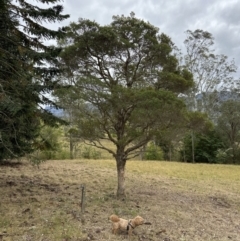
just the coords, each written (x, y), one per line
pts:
(44, 204)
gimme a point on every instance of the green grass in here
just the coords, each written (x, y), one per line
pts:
(223, 177)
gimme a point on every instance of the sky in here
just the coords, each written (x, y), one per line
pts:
(173, 17)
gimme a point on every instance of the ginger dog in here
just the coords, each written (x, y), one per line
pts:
(125, 225)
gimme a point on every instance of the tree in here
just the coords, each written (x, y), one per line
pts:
(169, 139)
(28, 72)
(129, 80)
(68, 97)
(212, 72)
(229, 127)
(197, 123)
(207, 145)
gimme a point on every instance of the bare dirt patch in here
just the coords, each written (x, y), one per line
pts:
(44, 204)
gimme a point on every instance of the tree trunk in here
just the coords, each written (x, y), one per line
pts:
(121, 162)
(193, 148)
(184, 153)
(170, 153)
(71, 147)
(142, 152)
(121, 181)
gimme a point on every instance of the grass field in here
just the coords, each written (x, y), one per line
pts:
(183, 202)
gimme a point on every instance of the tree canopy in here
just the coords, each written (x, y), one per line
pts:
(28, 72)
(212, 72)
(229, 127)
(129, 79)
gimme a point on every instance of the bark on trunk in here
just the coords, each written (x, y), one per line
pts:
(142, 152)
(121, 182)
(121, 177)
(71, 147)
(193, 148)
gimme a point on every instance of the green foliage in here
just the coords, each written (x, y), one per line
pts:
(129, 79)
(24, 77)
(68, 97)
(49, 146)
(168, 142)
(224, 156)
(41, 156)
(206, 148)
(89, 152)
(153, 152)
(128, 76)
(50, 142)
(228, 125)
(198, 122)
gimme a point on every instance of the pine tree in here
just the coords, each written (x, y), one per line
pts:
(28, 72)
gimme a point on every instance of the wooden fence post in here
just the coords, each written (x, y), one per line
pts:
(83, 187)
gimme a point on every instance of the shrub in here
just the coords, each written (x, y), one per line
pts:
(206, 146)
(153, 152)
(89, 152)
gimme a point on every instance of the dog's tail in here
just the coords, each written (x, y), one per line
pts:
(114, 218)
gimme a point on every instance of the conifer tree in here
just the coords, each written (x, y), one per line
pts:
(28, 72)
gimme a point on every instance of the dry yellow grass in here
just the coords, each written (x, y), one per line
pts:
(191, 202)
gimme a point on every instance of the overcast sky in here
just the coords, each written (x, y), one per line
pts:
(173, 17)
